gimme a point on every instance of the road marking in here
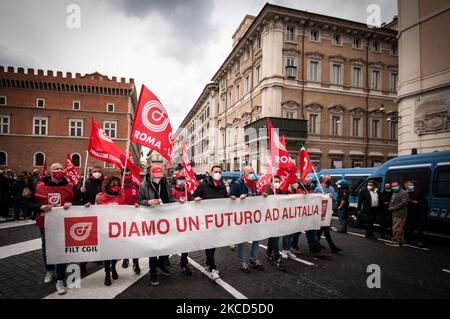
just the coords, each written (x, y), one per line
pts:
(406, 245)
(384, 240)
(436, 235)
(231, 290)
(446, 270)
(17, 224)
(20, 248)
(296, 258)
(349, 232)
(92, 286)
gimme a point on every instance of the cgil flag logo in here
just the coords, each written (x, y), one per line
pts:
(81, 231)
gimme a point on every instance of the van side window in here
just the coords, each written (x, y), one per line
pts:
(419, 176)
(441, 185)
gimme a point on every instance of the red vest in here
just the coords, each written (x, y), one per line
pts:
(131, 194)
(114, 200)
(54, 196)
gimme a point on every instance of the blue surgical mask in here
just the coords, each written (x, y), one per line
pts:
(251, 177)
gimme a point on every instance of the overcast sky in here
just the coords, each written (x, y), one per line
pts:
(172, 46)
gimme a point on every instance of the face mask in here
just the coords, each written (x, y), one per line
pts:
(411, 188)
(115, 189)
(328, 183)
(217, 176)
(388, 189)
(156, 180)
(58, 175)
(276, 185)
(128, 179)
(181, 183)
(339, 186)
(97, 175)
(251, 177)
(295, 185)
(395, 188)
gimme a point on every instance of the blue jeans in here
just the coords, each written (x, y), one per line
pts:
(273, 247)
(313, 242)
(253, 252)
(287, 242)
(61, 268)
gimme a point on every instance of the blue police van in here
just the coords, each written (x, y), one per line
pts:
(430, 173)
(354, 176)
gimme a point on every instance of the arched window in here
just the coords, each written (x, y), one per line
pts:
(76, 159)
(39, 159)
(3, 158)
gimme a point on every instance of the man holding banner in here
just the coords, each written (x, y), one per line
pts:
(212, 187)
(154, 191)
(246, 186)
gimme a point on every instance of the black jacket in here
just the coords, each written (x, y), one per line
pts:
(365, 202)
(147, 192)
(385, 198)
(93, 187)
(208, 190)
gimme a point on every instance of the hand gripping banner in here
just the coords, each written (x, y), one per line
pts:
(114, 232)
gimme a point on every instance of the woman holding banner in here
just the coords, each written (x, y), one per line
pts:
(111, 195)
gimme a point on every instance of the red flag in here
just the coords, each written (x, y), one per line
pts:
(287, 169)
(304, 162)
(278, 153)
(151, 125)
(264, 180)
(71, 172)
(103, 148)
(44, 168)
(191, 181)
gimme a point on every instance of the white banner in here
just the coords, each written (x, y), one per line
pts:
(115, 232)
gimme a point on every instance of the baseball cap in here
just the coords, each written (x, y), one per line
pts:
(157, 171)
(180, 175)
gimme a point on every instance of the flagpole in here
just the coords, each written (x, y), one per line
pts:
(318, 180)
(85, 168)
(126, 162)
(304, 188)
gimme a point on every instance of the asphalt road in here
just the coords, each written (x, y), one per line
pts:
(407, 272)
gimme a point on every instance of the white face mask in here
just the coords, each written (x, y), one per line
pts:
(276, 185)
(295, 185)
(97, 175)
(217, 176)
(369, 188)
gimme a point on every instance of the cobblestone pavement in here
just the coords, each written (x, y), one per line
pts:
(407, 272)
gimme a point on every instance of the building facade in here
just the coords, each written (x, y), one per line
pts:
(424, 79)
(46, 116)
(335, 76)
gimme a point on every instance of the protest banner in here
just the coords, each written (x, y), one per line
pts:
(114, 232)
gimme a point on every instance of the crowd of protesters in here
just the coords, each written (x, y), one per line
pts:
(27, 196)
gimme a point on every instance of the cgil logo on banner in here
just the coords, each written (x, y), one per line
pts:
(81, 232)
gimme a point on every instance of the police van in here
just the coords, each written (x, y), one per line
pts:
(354, 176)
(430, 173)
